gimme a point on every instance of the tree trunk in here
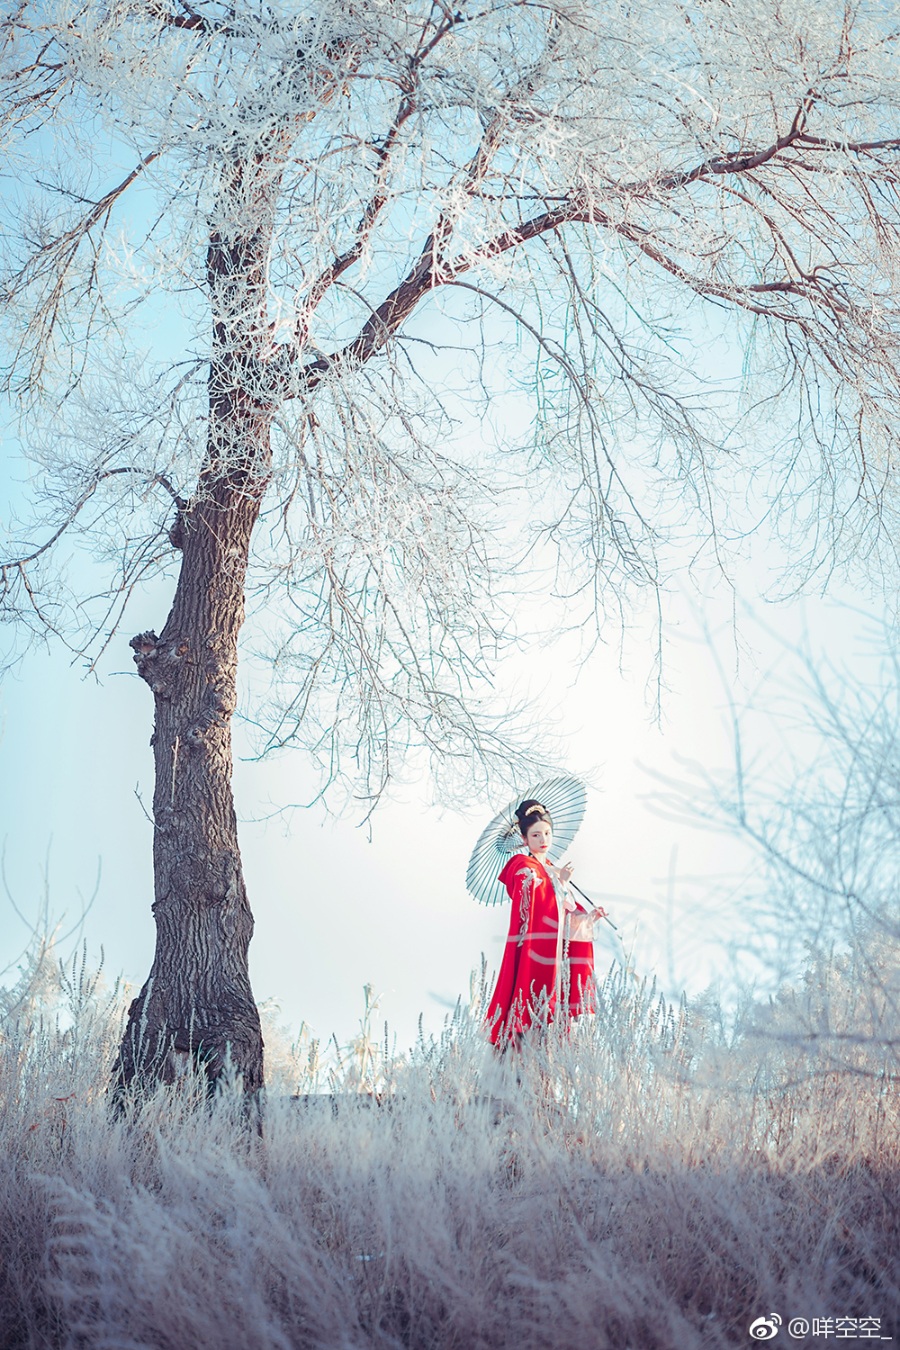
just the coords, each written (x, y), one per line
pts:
(197, 1004)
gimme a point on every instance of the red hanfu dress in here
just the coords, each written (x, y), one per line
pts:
(549, 956)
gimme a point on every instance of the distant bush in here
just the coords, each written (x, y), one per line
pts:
(656, 1182)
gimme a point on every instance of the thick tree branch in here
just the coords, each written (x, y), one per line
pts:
(740, 161)
(852, 147)
(429, 272)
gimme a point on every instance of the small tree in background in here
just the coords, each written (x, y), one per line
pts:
(813, 796)
(324, 202)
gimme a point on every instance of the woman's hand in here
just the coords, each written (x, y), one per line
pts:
(565, 872)
(562, 880)
(598, 913)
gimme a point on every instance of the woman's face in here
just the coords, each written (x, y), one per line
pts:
(539, 837)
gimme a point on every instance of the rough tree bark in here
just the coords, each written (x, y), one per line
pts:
(197, 1000)
(197, 1005)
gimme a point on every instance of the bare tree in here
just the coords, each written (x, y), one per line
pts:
(317, 204)
(819, 816)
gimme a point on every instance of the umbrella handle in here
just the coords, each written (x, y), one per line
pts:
(591, 902)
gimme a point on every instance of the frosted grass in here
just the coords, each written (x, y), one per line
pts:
(655, 1183)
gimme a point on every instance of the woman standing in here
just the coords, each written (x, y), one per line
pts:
(549, 956)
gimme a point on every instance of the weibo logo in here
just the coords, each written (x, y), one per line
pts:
(764, 1328)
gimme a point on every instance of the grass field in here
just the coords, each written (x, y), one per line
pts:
(657, 1182)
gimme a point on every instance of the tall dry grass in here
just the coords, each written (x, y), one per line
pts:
(655, 1183)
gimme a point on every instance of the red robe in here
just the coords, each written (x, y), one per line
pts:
(544, 963)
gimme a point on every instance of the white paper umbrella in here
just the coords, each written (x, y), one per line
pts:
(564, 799)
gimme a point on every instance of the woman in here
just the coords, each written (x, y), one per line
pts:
(549, 957)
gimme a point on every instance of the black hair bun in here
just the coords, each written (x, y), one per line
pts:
(529, 812)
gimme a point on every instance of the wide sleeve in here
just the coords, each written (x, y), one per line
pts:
(527, 972)
(519, 878)
(580, 934)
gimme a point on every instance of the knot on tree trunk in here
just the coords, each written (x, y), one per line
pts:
(155, 661)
